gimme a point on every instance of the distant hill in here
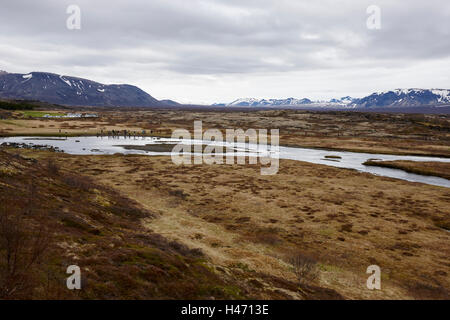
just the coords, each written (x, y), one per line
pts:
(170, 103)
(72, 91)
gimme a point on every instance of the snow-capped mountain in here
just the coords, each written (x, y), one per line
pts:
(404, 98)
(64, 90)
(342, 101)
(251, 102)
(395, 98)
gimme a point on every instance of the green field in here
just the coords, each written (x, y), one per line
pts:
(40, 114)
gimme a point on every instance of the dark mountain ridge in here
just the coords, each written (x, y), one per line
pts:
(72, 91)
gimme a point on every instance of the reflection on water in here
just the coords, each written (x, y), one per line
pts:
(158, 146)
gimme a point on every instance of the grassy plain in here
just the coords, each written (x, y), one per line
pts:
(239, 229)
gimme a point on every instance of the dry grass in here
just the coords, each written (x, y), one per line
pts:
(247, 223)
(50, 219)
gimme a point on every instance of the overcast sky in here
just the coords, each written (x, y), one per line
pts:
(205, 51)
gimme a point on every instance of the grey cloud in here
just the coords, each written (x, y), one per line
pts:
(213, 37)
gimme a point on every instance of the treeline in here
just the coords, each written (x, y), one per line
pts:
(19, 105)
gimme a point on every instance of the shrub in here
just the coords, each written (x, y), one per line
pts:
(305, 268)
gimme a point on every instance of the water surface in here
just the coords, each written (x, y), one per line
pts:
(340, 159)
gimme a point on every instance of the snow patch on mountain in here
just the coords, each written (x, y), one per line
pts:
(444, 95)
(27, 77)
(65, 80)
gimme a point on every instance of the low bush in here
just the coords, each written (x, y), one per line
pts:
(305, 268)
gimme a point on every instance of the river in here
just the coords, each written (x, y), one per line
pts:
(340, 159)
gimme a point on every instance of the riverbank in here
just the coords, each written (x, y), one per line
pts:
(437, 169)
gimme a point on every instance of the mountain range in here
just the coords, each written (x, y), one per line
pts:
(72, 91)
(395, 98)
(251, 102)
(404, 98)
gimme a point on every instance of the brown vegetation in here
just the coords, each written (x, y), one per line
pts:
(50, 219)
(247, 224)
(141, 227)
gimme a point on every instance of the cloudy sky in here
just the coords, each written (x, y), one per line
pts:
(205, 51)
